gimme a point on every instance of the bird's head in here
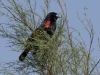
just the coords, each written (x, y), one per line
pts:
(52, 16)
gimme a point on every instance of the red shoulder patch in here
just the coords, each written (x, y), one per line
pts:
(47, 24)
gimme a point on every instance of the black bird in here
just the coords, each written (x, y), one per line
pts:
(48, 26)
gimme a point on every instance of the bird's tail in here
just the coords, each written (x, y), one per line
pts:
(23, 55)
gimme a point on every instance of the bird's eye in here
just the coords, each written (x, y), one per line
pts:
(55, 14)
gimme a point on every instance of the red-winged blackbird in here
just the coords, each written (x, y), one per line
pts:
(48, 26)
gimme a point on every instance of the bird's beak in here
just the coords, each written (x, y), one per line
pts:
(58, 15)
